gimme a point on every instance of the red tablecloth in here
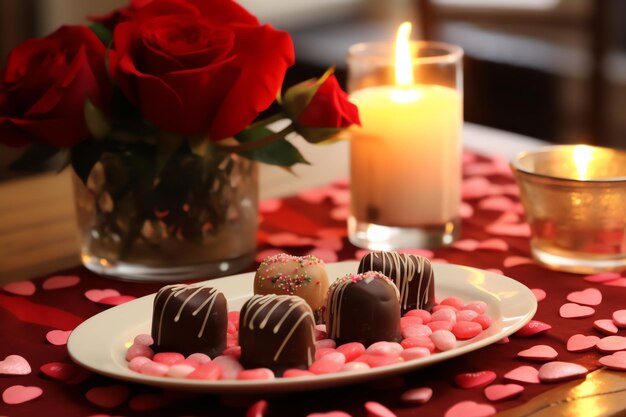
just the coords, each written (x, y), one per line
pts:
(493, 237)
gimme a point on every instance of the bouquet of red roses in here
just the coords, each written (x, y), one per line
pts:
(153, 106)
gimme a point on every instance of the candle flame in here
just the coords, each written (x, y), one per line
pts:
(404, 68)
(582, 157)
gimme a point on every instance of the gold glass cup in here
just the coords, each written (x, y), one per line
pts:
(575, 202)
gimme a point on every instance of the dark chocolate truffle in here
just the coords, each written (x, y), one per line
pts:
(276, 332)
(412, 274)
(189, 319)
(363, 308)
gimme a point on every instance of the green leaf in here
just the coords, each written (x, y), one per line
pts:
(279, 152)
(85, 155)
(33, 158)
(318, 135)
(102, 32)
(96, 121)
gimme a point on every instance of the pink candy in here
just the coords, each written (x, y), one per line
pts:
(200, 358)
(355, 366)
(230, 366)
(418, 341)
(255, 374)
(455, 302)
(352, 350)
(153, 369)
(444, 315)
(325, 343)
(137, 362)
(443, 340)
(414, 353)
(321, 352)
(478, 306)
(423, 314)
(375, 361)
(410, 321)
(323, 366)
(335, 357)
(168, 358)
(143, 339)
(208, 371)
(484, 321)
(138, 350)
(297, 373)
(466, 315)
(384, 349)
(464, 330)
(440, 325)
(180, 371)
(419, 330)
(234, 351)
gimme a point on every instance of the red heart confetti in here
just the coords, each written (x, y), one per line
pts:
(532, 328)
(575, 311)
(495, 244)
(620, 282)
(523, 374)
(616, 361)
(511, 261)
(501, 392)
(467, 245)
(270, 205)
(66, 372)
(289, 239)
(325, 255)
(470, 409)
(619, 318)
(511, 230)
(24, 288)
(18, 394)
(539, 294)
(610, 344)
(588, 297)
(60, 281)
(606, 326)
(602, 277)
(474, 379)
(97, 295)
(258, 409)
(108, 397)
(58, 337)
(539, 353)
(581, 343)
(560, 371)
(329, 414)
(417, 396)
(374, 409)
(14, 365)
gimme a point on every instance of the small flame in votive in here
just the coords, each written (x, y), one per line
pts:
(582, 157)
(404, 67)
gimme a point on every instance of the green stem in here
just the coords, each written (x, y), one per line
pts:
(244, 147)
(264, 122)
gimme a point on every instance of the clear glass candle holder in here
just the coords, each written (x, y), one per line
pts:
(574, 197)
(406, 155)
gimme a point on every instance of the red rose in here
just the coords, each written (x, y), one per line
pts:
(120, 15)
(199, 67)
(329, 108)
(45, 84)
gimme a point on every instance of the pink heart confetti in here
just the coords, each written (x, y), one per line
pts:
(495, 271)
(508, 218)
(417, 396)
(500, 392)
(496, 203)
(374, 409)
(560, 371)
(575, 311)
(610, 344)
(467, 157)
(58, 337)
(581, 343)
(470, 409)
(18, 394)
(467, 245)
(524, 373)
(332, 243)
(60, 281)
(602, 277)
(108, 397)
(269, 206)
(332, 232)
(606, 326)
(97, 295)
(419, 252)
(14, 365)
(539, 353)
(477, 187)
(474, 379)
(539, 294)
(620, 282)
(340, 197)
(325, 255)
(532, 328)
(511, 230)
(340, 213)
(258, 409)
(116, 300)
(619, 318)
(511, 261)
(289, 239)
(616, 361)
(24, 288)
(329, 414)
(265, 253)
(495, 244)
(588, 297)
(314, 196)
(66, 372)
(466, 210)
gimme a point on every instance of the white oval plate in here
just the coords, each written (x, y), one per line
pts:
(100, 343)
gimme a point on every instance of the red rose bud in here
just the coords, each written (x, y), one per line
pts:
(45, 85)
(320, 108)
(199, 67)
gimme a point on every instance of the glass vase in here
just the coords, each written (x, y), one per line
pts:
(196, 218)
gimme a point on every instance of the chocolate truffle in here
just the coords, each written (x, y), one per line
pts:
(363, 308)
(189, 319)
(276, 332)
(304, 276)
(412, 274)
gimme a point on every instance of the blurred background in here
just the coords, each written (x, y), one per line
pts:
(550, 69)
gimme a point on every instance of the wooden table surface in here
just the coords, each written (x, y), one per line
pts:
(37, 237)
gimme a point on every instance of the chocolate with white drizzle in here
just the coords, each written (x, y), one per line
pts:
(189, 319)
(363, 308)
(276, 332)
(412, 274)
